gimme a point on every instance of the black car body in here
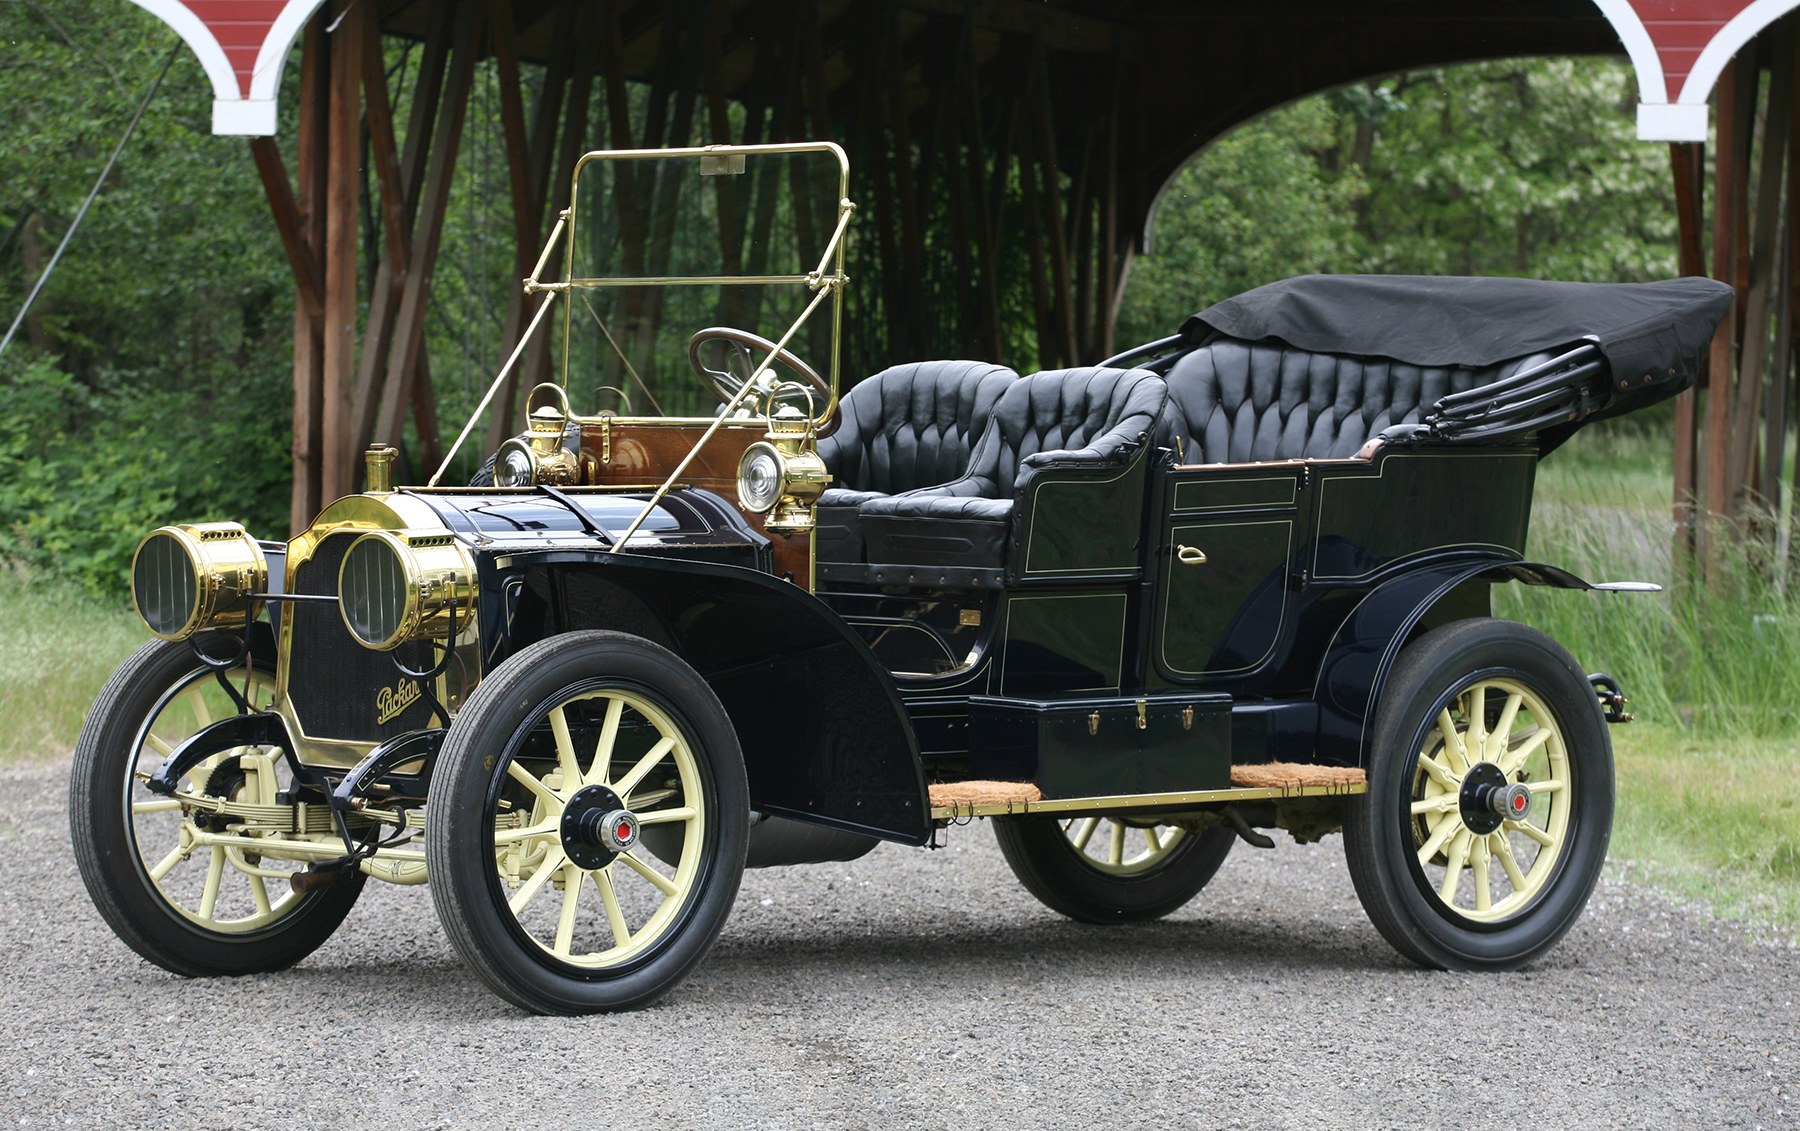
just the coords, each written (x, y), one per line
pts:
(1236, 579)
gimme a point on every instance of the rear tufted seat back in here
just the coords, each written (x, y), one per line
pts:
(1238, 402)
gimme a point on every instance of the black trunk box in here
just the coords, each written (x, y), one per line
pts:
(1103, 747)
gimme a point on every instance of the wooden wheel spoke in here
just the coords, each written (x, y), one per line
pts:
(600, 770)
(512, 836)
(1502, 847)
(259, 892)
(1154, 841)
(1478, 866)
(1084, 832)
(1532, 832)
(1115, 852)
(1503, 729)
(1440, 773)
(565, 922)
(1453, 743)
(538, 789)
(1458, 856)
(552, 864)
(1444, 830)
(615, 915)
(197, 703)
(657, 880)
(1475, 744)
(644, 765)
(167, 864)
(668, 816)
(1441, 803)
(565, 749)
(215, 876)
(158, 744)
(1515, 755)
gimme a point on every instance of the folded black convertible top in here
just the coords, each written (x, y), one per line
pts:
(1653, 335)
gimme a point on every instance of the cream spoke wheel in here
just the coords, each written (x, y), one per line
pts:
(590, 817)
(179, 878)
(1501, 723)
(1111, 869)
(1490, 797)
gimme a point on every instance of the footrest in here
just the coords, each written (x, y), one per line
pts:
(1292, 775)
(963, 793)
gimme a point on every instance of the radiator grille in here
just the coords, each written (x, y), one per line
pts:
(335, 684)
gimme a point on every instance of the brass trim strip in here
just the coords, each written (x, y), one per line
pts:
(1142, 801)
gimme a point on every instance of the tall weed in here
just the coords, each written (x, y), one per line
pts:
(1718, 657)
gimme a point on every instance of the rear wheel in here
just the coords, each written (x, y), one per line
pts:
(188, 906)
(1490, 798)
(554, 769)
(1110, 869)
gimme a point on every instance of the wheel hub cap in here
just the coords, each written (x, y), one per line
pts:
(596, 827)
(1488, 799)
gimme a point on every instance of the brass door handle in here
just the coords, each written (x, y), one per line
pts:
(1190, 555)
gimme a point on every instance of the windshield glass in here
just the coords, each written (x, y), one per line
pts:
(662, 245)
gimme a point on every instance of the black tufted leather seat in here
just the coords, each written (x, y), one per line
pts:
(1237, 402)
(1070, 419)
(907, 427)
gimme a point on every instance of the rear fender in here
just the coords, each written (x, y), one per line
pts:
(824, 734)
(1355, 668)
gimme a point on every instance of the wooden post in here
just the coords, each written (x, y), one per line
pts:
(309, 328)
(1688, 161)
(337, 471)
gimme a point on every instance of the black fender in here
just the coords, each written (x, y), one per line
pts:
(825, 736)
(1355, 667)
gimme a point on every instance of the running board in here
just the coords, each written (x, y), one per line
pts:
(1275, 781)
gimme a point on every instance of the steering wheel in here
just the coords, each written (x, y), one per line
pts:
(744, 351)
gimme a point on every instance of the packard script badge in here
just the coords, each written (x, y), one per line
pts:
(390, 701)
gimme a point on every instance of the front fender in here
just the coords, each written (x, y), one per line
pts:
(824, 734)
(1356, 664)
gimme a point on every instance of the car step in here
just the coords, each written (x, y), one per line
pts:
(1266, 781)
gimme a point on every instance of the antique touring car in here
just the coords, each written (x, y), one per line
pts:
(1235, 580)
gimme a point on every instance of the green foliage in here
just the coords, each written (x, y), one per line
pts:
(1523, 167)
(151, 382)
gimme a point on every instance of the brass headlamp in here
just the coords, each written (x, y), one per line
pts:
(197, 575)
(782, 475)
(401, 585)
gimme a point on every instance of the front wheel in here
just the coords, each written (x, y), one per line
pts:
(1110, 869)
(177, 882)
(552, 775)
(1490, 798)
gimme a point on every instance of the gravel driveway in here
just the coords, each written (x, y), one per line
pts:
(909, 989)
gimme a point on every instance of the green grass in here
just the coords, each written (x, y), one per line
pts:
(1708, 794)
(1714, 819)
(57, 647)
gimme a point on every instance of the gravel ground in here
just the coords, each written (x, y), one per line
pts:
(910, 989)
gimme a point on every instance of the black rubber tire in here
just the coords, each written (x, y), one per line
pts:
(106, 853)
(1067, 882)
(489, 731)
(484, 475)
(1379, 838)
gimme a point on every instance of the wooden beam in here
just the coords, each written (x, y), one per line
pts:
(1728, 177)
(1748, 406)
(288, 224)
(1687, 162)
(409, 325)
(309, 329)
(337, 472)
